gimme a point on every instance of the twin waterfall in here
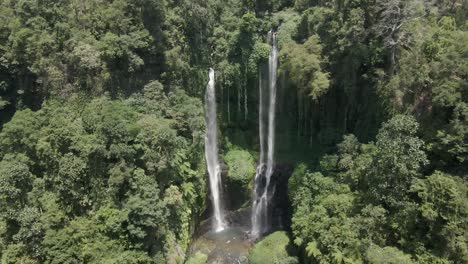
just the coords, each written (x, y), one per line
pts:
(211, 152)
(262, 190)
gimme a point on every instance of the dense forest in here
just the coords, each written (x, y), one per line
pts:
(102, 128)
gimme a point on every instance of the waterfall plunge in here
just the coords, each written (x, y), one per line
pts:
(211, 152)
(262, 192)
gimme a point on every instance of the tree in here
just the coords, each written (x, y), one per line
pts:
(159, 143)
(444, 210)
(304, 65)
(322, 220)
(394, 15)
(73, 183)
(387, 255)
(15, 179)
(397, 162)
(146, 212)
(20, 135)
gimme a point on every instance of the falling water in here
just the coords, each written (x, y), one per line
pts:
(211, 151)
(272, 67)
(262, 192)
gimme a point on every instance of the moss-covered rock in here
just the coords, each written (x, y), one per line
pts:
(275, 248)
(241, 171)
(241, 165)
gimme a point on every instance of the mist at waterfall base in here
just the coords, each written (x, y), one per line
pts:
(263, 190)
(211, 152)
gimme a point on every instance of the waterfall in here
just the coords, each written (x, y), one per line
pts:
(272, 67)
(262, 189)
(211, 151)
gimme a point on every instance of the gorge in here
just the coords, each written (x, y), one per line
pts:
(262, 191)
(233, 131)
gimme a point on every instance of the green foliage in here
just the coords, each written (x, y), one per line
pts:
(275, 248)
(303, 63)
(387, 255)
(350, 164)
(72, 183)
(435, 66)
(15, 253)
(444, 208)
(158, 140)
(288, 21)
(81, 241)
(442, 196)
(102, 128)
(198, 258)
(15, 180)
(19, 135)
(322, 220)
(333, 224)
(397, 162)
(107, 181)
(241, 165)
(241, 171)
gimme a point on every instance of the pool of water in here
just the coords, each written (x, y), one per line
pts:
(230, 245)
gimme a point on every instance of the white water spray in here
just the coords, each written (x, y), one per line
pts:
(211, 152)
(262, 194)
(272, 67)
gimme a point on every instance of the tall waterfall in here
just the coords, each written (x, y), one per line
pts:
(211, 151)
(262, 189)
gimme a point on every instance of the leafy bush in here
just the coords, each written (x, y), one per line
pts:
(198, 258)
(274, 248)
(241, 166)
(387, 255)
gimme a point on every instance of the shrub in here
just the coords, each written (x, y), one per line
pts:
(272, 249)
